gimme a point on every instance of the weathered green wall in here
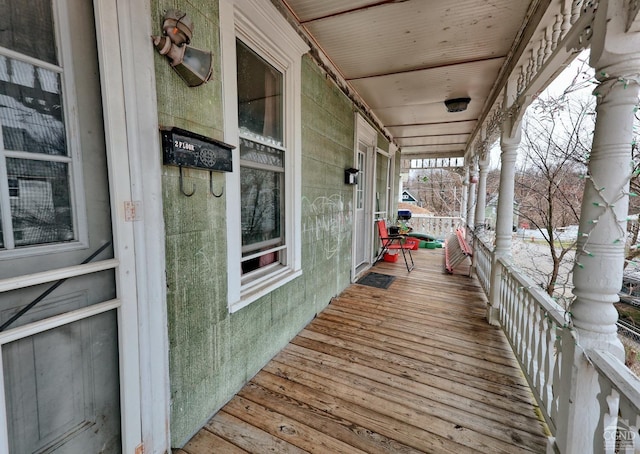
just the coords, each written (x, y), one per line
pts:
(195, 241)
(327, 149)
(213, 353)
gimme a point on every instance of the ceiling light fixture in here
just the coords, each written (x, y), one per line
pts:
(457, 104)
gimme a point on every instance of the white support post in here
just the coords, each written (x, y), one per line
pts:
(481, 199)
(504, 219)
(471, 199)
(464, 196)
(600, 252)
(481, 202)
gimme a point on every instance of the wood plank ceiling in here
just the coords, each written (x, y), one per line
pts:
(406, 57)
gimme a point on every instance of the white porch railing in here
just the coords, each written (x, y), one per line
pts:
(536, 328)
(534, 325)
(482, 256)
(619, 400)
(436, 226)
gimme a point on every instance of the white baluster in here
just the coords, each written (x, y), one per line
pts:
(556, 34)
(535, 348)
(549, 43)
(566, 18)
(540, 57)
(549, 363)
(576, 7)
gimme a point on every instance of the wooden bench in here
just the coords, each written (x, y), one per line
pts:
(456, 251)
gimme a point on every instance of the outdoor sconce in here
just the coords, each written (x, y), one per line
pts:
(457, 104)
(194, 66)
(351, 176)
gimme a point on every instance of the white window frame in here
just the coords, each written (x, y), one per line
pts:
(390, 178)
(64, 69)
(260, 26)
(385, 158)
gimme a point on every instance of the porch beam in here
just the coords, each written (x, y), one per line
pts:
(535, 17)
(563, 54)
(552, 42)
(407, 153)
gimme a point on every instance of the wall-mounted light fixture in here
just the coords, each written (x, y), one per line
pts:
(193, 65)
(457, 104)
(351, 176)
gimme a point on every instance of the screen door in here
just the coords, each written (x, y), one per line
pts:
(60, 376)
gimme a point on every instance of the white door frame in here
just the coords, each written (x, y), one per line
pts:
(389, 189)
(133, 150)
(391, 181)
(383, 211)
(366, 134)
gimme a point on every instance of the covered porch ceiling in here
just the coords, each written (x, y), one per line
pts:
(404, 58)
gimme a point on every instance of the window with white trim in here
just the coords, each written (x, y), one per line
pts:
(262, 59)
(39, 181)
(262, 158)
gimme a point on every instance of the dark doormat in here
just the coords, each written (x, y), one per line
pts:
(377, 280)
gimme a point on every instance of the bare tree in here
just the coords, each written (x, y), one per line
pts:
(633, 252)
(557, 135)
(438, 190)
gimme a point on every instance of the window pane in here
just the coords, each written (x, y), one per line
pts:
(259, 95)
(26, 26)
(31, 108)
(258, 262)
(40, 202)
(261, 208)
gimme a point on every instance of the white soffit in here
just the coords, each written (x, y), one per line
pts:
(405, 57)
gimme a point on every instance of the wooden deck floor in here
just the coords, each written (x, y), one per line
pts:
(414, 368)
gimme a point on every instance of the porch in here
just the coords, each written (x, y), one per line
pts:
(412, 368)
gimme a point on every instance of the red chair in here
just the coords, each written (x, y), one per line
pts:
(393, 243)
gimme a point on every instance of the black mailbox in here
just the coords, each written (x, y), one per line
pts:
(188, 149)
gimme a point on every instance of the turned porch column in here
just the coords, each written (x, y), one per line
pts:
(464, 195)
(471, 198)
(481, 199)
(504, 217)
(510, 135)
(597, 272)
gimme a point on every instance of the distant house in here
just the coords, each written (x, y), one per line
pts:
(407, 197)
